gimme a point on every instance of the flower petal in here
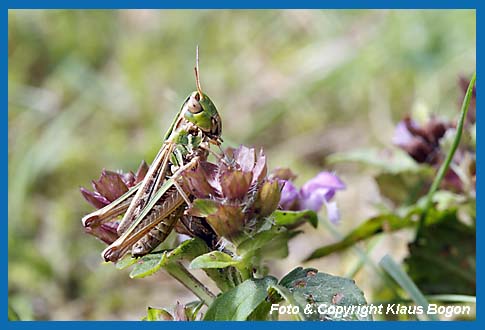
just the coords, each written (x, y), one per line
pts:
(235, 184)
(402, 136)
(327, 181)
(435, 129)
(289, 195)
(106, 232)
(245, 157)
(141, 172)
(420, 151)
(94, 198)
(260, 169)
(110, 185)
(315, 200)
(228, 221)
(196, 180)
(211, 173)
(128, 178)
(333, 212)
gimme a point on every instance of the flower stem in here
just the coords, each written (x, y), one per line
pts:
(181, 274)
(449, 157)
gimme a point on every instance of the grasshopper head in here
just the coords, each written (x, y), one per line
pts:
(201, 112)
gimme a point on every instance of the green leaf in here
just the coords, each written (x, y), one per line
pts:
(294, 218)
(442, 260)
(154, 314)
(272, 243)
(367, 229)
(148, 265)
(377, 225)
(238, 303)
(188, 250)
(395, 271)
(403, 188)
(125, 262)
(214, 259)
(287, 296)
(151, 263)
(308, 287)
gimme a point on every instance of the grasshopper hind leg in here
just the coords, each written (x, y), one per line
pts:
(157, 235)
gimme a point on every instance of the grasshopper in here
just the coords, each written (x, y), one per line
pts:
(153, 206)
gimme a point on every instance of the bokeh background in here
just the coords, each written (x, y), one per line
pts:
(97, 89)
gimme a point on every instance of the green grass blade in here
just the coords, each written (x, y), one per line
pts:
(396, 272)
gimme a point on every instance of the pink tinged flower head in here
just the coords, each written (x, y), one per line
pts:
(202, 181)
(249, 161)
(111, 185)
(235, 183)
(421, 142)
(234, 193)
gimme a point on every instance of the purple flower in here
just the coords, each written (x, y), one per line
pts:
(112, 185)
(234, 194)
(313, 194)
(421, 142)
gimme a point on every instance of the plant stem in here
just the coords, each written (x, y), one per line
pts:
(449, 157)
(181, 274)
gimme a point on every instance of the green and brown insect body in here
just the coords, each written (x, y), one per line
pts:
(186, 148)
(154, 206)
(153, 226)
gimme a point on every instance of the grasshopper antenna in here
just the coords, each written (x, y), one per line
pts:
(196, 69)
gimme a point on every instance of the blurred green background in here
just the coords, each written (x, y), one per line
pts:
(97, 89)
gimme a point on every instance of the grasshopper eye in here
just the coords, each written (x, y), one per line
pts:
(193, 104)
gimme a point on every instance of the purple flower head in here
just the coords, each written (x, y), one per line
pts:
(112, 185)
(312, 195)
(421, 142)
(324, 184)
(234, 194)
